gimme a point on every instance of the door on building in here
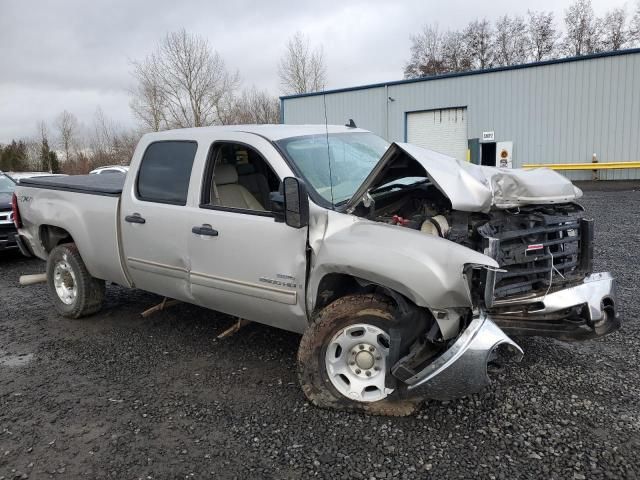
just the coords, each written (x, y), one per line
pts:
(488, 154)
(443, 130)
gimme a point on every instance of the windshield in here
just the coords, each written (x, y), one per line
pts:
(6, 184)
(353, 156)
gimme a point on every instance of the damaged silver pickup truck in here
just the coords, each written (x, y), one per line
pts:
(404, 270)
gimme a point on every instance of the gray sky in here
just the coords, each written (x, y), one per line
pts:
(75, 54)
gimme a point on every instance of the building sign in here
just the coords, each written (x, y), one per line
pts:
(488, 136)
(504, 157)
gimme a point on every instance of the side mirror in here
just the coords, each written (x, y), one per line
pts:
(291, 205)
(296, 202)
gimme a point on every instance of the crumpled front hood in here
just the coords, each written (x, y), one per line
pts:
(469, 187)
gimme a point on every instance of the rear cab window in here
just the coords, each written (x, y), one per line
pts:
(165, 172)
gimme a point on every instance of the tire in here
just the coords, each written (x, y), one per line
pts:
(74, 292)
(337, 324)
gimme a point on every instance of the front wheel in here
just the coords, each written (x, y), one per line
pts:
(75, 293)
(342, 360)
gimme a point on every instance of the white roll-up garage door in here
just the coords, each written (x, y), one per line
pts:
(443, 130)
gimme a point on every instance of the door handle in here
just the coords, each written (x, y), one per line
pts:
(205, 230)
(135, 218)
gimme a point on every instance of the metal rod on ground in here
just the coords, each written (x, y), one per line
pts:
(166, 303)
(33, 279)
(241, 322)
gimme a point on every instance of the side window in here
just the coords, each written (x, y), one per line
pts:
(238, 177)
(165, 171)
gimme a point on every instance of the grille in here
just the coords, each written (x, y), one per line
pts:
(7, 233)
(529, 245)
(5, 218)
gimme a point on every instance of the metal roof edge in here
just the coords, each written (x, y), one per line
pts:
(542, 63)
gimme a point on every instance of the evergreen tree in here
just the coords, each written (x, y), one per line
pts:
(53, 162)
(14, 157)
(44, 156)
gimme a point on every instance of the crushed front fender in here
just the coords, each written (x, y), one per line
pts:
(461, 369)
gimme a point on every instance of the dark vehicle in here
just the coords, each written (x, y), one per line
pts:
(7, 228)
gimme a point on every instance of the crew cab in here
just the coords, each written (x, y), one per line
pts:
(405, 271)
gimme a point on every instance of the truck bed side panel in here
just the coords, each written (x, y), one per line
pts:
(92, 221)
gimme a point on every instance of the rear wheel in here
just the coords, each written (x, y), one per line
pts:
(343, 356)
(75, 293)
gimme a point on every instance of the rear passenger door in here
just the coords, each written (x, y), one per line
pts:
(243, 262)
(153, 220)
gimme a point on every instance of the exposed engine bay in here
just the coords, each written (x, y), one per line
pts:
(538, 247)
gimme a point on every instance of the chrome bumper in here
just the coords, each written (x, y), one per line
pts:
(7, 235)
(588, 310)
(462, 369)
(576, 313)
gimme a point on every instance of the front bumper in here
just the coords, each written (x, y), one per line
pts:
(7, 236)
(581, 312)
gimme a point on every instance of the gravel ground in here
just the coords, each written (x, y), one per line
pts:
(118, 396)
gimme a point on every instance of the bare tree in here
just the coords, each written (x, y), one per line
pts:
(434, 53)
(614, 30)
(45, 157)
(510, 41)
(635, 25)
(302, 69)
(147, 97)
(32, 153)
(426, 54)
(101, 137)
(109, 144)
(253, 106)
(43, 130)
(182, 84)
(67, 126)
(479, 43)
(583, 29)
(454, 53)
(542, 34)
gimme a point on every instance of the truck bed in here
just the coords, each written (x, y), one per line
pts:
(108, 184)
(86, 207)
